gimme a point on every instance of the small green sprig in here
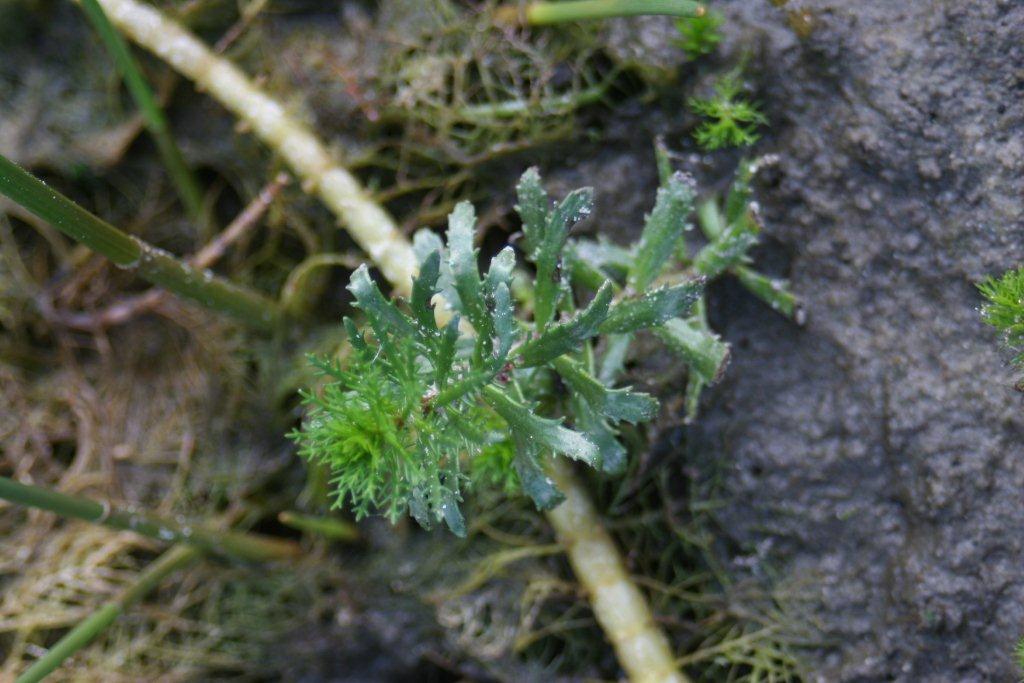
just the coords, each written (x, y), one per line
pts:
(732, 120)
(731, 229)
(423, 411)
(1005, 309)
(699, 35)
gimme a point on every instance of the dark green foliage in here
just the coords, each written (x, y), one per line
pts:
(699, 35)
(732, 120)
(1005, 309)
(675, 312)
(421, 413)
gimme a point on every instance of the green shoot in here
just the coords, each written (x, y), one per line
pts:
(421, 413)
(128, 252)
(250, 547)
(662, 254)
(96, 623)
(732, 120)
(699, 35)
(1005, 309)
(153, 117)
(546, 13)
(1018, 652)
(331, 528)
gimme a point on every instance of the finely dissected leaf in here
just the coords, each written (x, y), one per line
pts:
(381, 313)
(662, 230)
(548, 253)
(653, 308)
(732, 120)
(532, 206)
(548, 433)
(569, 335)
(615, 404)
(699, 348)
(1005, 308)
(462, 259)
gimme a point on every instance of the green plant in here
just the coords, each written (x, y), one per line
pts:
(1005, 309)
(699, 34)
(131, 253)
(419, 404)
(731, 230)
(545, 13)
(732, 120)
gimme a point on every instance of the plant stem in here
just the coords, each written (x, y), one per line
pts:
(152, 264)
(368, 223)
(152, 115)
(642, 648)
(546, 13)
(87, 630)
(234, 544)
(331, 528)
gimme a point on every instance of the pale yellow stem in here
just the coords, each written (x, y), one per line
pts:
(620, 607)
(370, 226)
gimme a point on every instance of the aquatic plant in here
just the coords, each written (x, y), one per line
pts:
(396, 424)
(731, 119)
(1004, 309)
(699, 35)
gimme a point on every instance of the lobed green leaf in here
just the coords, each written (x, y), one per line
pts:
(663, 229)
(544, 432)
(652, 308)
(615, 404)
(567, 337)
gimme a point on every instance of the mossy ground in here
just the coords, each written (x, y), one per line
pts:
(178, 411)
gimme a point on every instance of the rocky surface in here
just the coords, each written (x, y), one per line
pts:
(877, 453)
(873, 458)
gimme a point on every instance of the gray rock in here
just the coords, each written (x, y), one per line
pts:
(873, 457)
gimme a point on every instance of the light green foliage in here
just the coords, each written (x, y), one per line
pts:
(732, 120)
(699, 35)
(421, 414)
(1005, 309)
(1018, 653)
(676, 312)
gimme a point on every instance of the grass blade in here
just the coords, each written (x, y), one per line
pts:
(230, 543)
(152, 115)
(152, 264)
(96, 623)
